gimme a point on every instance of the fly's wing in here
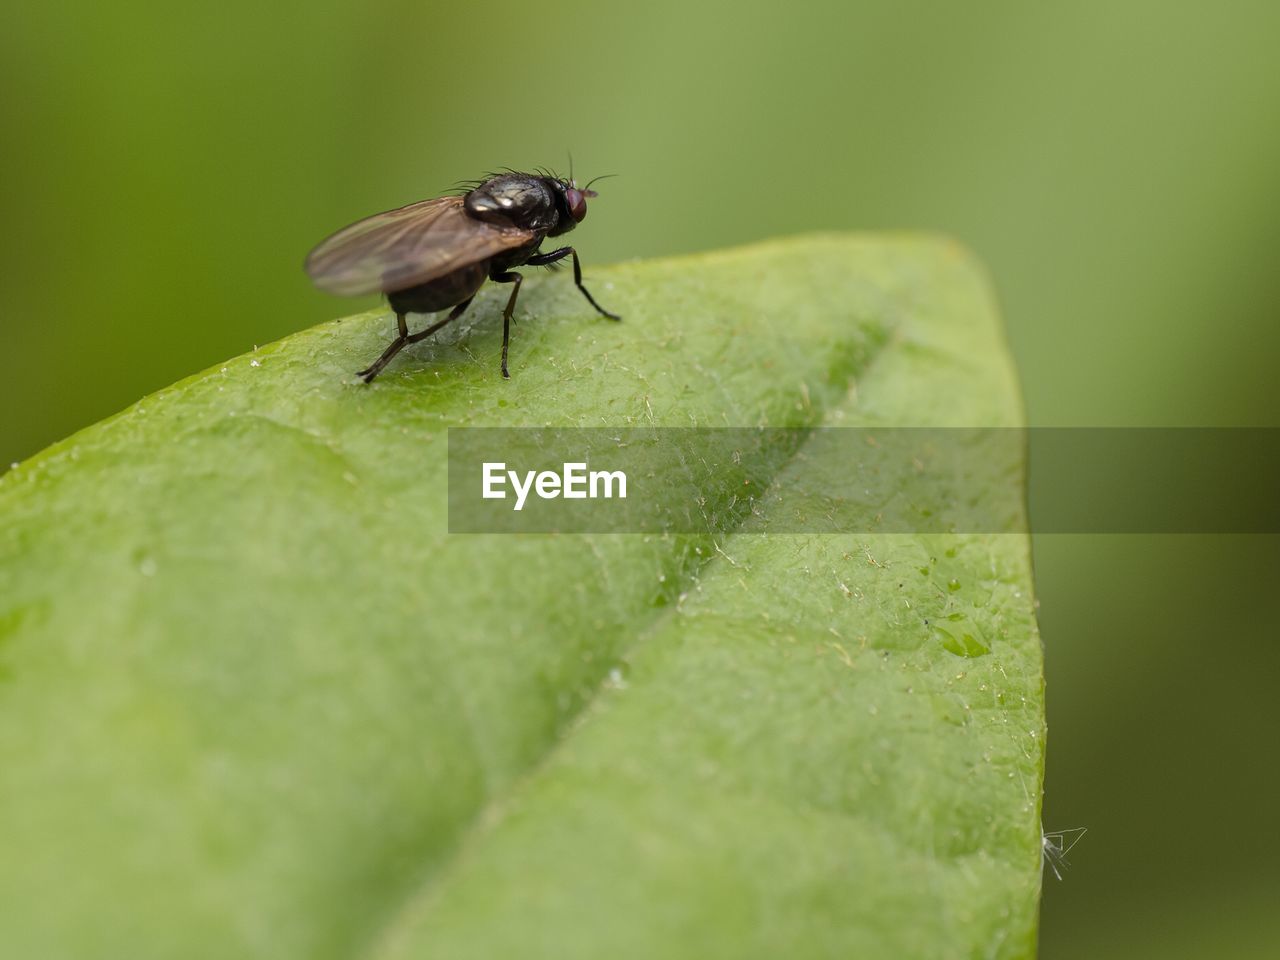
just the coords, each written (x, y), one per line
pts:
(405, 247)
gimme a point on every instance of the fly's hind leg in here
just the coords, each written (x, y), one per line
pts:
(405, 338)
(375, 368)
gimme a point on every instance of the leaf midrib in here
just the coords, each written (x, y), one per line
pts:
(418, 896)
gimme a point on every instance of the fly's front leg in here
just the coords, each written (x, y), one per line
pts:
(543, 259)
(508, 276)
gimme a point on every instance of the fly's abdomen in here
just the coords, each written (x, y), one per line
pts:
(442, 292)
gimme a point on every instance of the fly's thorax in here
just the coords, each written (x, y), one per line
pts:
(516, 199)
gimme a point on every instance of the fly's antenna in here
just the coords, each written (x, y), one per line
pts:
(1056, 844)
(603, 176)
(570, 152)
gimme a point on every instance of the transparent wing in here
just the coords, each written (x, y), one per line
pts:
(402, 248)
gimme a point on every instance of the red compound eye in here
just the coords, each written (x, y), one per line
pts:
(577, 204)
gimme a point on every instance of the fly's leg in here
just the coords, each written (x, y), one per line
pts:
(405, 338)
(371, 371)
(508, 276)
(543, 259)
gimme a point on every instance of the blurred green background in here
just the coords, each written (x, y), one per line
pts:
(166, 167)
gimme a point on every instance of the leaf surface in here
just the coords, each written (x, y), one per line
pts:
(257, 702)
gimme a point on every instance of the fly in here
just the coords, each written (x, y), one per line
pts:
(436, 254)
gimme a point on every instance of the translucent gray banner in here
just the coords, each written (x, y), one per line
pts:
(864, 479)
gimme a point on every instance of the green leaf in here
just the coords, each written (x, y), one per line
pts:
(257, 702)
